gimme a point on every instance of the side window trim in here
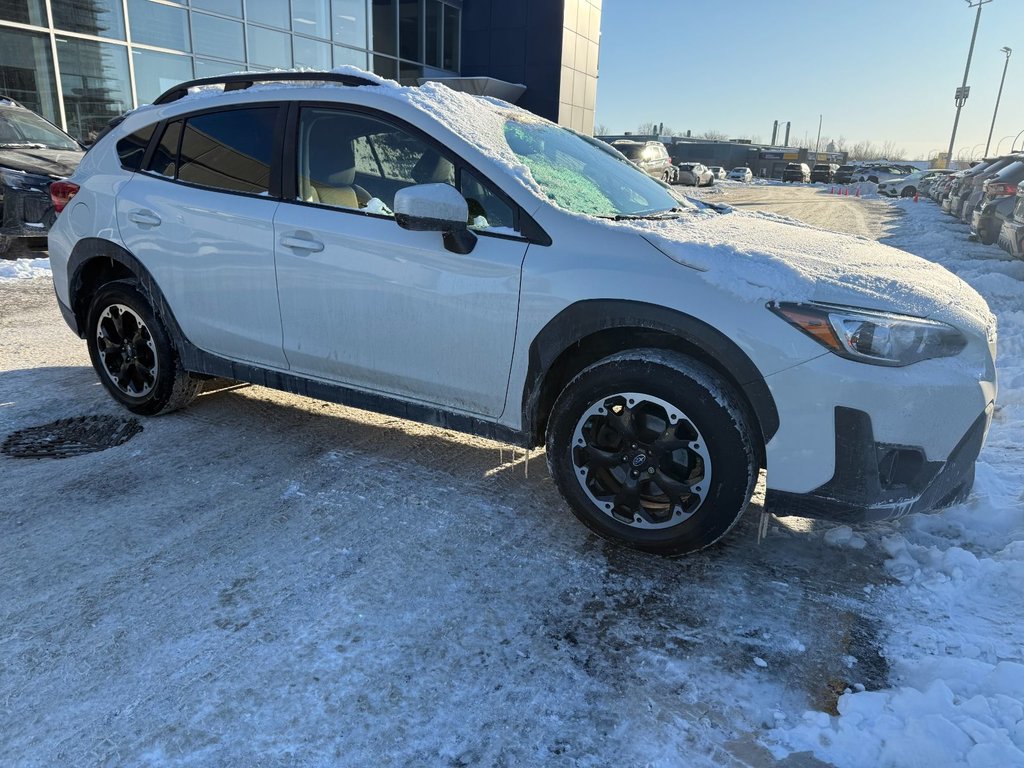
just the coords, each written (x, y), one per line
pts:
(529, 230)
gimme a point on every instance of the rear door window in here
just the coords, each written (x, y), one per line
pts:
(132, 148)
(230, 150)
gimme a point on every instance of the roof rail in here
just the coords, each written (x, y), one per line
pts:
(5, 98)
(243, 80)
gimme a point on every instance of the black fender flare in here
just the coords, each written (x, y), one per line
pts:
(585, 318)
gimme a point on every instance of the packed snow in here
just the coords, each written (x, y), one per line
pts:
(23, 269)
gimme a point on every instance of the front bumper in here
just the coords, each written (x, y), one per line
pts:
(878, 481)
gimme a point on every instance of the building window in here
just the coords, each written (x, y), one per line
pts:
(227, 7)
(214, 36)
(450, 60)
(311, 53)
(24, 11)
(211, 68)
(433, 24)
(269, 48)
(273, 13)
(157, 72)
(385, 27)
(158, 24)
(310, 17)
(103, 18)
(349, 22)
(348, 56)
(94, 79)
(385, 67)
(229, 150)
(410, 31)
(26, 72)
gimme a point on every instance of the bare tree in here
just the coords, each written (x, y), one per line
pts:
(714, 135)
(601, 130)
(647, 129)
(891, 152)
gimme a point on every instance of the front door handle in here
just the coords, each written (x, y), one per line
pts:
(144, 218)
(302, 243)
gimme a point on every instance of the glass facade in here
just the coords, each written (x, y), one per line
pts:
(116, 54)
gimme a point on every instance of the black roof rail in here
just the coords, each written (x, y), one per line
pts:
(243, 80)
(5, 98)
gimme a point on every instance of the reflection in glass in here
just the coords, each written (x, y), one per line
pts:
(269, 48)
(433, 25)
(103, 18)
(451, 38)
(211, 68)
(26, 71)
(311, 53)
(409, 41)
(343, 55)
(94, 78)
(218, 37)
(273, 13)
(349, 22)
(310, 17)
(229, 150)
(227, 7)
(24, 12)
(157, 24)
(385, 26)
(157, 72)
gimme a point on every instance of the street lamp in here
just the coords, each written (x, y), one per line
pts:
(995, 112)
(963, 91)
(1014, 144)
(1010, 136)
(971, 158)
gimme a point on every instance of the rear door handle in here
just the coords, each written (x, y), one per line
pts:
(144, 218)
(302, 243)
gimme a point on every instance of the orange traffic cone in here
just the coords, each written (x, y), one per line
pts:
(832, 191)
(847, 192)
(915, 196)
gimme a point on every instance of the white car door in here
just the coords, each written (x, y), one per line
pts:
(201, 221)
(369, 304)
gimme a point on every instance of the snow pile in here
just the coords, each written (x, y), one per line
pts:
(23, 269)
(955, 613)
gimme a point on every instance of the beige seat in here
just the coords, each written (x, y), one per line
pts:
(332, 170)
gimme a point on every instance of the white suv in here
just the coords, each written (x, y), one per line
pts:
(459, 261)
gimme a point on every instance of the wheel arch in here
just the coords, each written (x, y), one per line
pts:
(589, 330)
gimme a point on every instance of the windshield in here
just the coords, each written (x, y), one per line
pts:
(581, 178)
(21, 128)
(632, 151)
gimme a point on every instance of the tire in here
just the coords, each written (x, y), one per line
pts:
(136, 360)
(639, 419)
(908, 192)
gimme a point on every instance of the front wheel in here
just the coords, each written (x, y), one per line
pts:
(653, 450)
(132, 352)
(908, 192)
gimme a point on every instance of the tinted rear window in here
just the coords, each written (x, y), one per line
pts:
(132, 147)
(632, 151)
(229, 150)
(165, 156)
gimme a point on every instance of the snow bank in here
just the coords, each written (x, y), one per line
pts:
(955, 610)
(23, 269)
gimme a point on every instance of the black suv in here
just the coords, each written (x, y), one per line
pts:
(845, 174)
(797, 172)
(33, 153)
(824, 172)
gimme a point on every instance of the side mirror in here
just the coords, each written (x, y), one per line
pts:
(436, 208)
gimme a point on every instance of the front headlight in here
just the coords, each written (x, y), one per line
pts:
(880, 338)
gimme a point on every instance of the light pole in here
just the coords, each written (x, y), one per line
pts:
(971, 157)
(995, 112)
(1014, 144)
(963, 91)
(1000, 143)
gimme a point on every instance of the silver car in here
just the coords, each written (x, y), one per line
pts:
(694, 175)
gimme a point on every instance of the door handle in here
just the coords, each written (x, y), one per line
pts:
(302, 243)
(144, 218)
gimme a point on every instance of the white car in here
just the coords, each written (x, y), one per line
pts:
(907, 186)
(879, 173)
(718, 171)
(741, 174)
(463, 262)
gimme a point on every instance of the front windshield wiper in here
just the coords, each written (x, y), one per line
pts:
(669, 214)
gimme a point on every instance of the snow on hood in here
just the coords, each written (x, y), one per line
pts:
(760, 258)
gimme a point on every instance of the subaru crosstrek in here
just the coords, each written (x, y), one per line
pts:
(459, 261)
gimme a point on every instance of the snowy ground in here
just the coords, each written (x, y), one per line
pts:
(267, 580)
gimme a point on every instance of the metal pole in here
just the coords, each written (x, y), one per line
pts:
(995, 112)
(1014, 144)
(817, 144)
(1000, 142)
(960, 101)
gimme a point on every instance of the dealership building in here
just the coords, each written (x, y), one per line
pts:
(81, 62)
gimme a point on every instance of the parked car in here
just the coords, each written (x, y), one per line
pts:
(651, 157)
(879, 173)
(844, 174)
(989, 217)
(1011, 236)
(718, 171)
(797, 172)
(515, 281)
(741, 174)
(694, 175)
(907, 186)
(931, 181)
(1004, 174)
(961, 185)
(33, 152)
(824, 172)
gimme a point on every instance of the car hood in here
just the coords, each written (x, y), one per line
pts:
(49, 162)
(761, 257)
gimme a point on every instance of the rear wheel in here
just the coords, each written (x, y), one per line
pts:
(908, 192)
(133, 353)
(653, 449)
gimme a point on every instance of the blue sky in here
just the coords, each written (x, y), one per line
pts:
(875, 69)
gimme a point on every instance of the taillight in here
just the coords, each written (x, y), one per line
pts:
(995, 190)
(61, 193)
